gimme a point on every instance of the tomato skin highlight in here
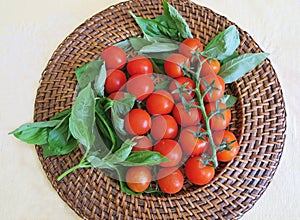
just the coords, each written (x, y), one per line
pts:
(191, 144)
(185, 118)
(137, 122)
(181, 81)
(140, 85)
(160, 102)
(170, 180)
(218, 83)
(114, 57)
(142, 143)
(217, 122)
(114, 81)
(172, 65)
(139, 65)
(138, 178)
(190, 45)
(163, 126)
(170, 149)
(197, 173)
(228, 155)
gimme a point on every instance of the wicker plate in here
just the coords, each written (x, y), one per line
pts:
(258, 121)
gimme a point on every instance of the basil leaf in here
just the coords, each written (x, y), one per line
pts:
(163, 85)
(34, 133)
(157, 47)
(237, 67)
(82, 120)
(61, 115)
(234, 55)
(124, 45)
(98, 163)
(100, 80)
(122, 153)
(144, 158)
(59, 135)
(228, 100)
(137, 42)
(123, 106)
(224, 44)
(49, 151)
(181, 25)
(88, 72)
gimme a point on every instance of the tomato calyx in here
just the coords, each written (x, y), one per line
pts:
(225, 145)
(200, 133)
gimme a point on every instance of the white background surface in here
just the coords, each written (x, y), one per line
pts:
(31, 30)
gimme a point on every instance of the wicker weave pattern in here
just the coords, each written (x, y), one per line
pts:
(258, 121)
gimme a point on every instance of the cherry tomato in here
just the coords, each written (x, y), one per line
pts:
(114, 81)
(206, 68)
(170, 149)
(137, 122)
(117, 95)
(191, 144)
(139, 65)
(197, 172)
(138, 178)
(228, 155)
(140, 85)
(163, 126)
(215, 93)
(170, 180)
(142, 143)
(218, 136)
(190, 45)
(173, 65)
(186, 118)
(218, 122)
(215, 66)
(160, 102)
(181, 81)
(114, 57)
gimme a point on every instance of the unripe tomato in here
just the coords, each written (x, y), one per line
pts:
(181, 81)
(160, 102)
(114, 57)
(137, 122)
(163, 126)
(114, 81)
(190, 45)
(170, 180)
(139, 65)
(138, 178)
(170, 149)
(173, 65)
(140, 85)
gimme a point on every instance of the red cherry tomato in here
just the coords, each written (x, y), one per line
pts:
(191, 144)
(186, 118)
(140, 85)
(197, 172)
(142, 143)
(170, 149)
(173, 65)
(170, 180)
(160, 102)
(163, 126)
(228, 155)
(139, 65)
(114, 81)
(218, 136)
(190, 45)
(114, 57)
(117, 95)
(138, 178)
(137, 122)
(219, 87)
(206, 68)
(218, 122)
(215, 66)
(181, 81)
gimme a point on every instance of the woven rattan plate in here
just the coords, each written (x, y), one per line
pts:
(259, 121)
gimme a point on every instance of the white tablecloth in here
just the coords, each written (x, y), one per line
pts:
(31, 30)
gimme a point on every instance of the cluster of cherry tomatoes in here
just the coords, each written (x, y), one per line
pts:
(162, 121)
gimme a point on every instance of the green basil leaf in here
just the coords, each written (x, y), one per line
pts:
(34, 133)
(224, 44)
(118, 124)
(158, 47)
(144, 158)
(234, 55)
(49, 151)
(122, 153)
(123, 106)
(61, 115)
(163, 85)
(59, 135)
(100, 80)
(137, 42)
(82, 120)
(228, 100)
(124, 45)
(88, 72)
(237, 67)
(181, 25)
(98, 162)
